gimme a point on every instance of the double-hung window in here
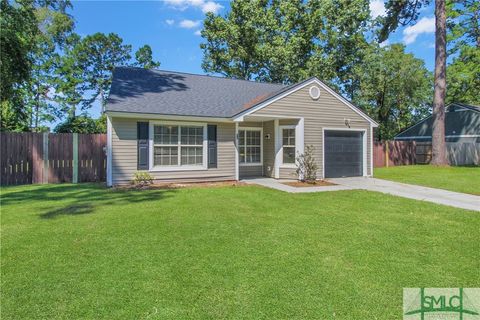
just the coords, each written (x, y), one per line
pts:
(178, 145)
(250, 146)
(288, 145)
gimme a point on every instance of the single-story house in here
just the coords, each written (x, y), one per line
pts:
(185, 127)
(462, 124)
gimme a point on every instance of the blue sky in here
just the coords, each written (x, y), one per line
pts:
(171, 28)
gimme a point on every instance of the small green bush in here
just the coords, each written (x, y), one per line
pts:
(307, 166)
(142, 178)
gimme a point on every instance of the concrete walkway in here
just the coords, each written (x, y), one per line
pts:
(278, 185)
(449, 198)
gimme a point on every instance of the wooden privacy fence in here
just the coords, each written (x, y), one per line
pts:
(394, 153)
(28, 158)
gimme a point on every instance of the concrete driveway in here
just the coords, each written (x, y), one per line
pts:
(449, 198)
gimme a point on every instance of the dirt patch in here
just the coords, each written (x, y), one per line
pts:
(177, 185)
(300, 184)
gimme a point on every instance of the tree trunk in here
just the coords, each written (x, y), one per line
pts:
(102, 102)
(37, 106)
(439, 154)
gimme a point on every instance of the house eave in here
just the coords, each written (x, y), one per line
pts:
(157, 116)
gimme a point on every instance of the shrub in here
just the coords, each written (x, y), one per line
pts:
(142, 178)
(307, 166)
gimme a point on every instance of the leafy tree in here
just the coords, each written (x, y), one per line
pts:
(11, 116)
(69, 80)
(80, 124)
(144, 58)
(32, 34)
(404, 12)
(286, 41)
(99, 54)
(55, 27)
(18, 31)
(102, 123)
(463, 22)
(232, 43)
(463, 73)
(17, 39)
(394, 88)
(340, 44)
(463, 76)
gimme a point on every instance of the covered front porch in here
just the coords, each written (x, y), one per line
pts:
(267, 146)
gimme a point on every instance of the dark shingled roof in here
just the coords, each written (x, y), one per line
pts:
(460, 119)
(139, 90)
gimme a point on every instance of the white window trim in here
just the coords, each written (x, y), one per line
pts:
(364, 147)
(280, 129)
(179, 167)
(252, 164)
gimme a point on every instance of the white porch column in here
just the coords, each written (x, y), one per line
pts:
(109, 152)
(278, 146)
(237, 175)
(299, 136)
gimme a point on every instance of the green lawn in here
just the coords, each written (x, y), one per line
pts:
(247, 252)
(459, 179)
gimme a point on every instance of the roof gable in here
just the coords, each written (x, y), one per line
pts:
(462, 121)
(296, 87)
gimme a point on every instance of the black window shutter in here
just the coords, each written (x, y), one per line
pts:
(212, 145)
(142, 145)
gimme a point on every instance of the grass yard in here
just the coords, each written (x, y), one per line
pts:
(72, 252)
(458, 179)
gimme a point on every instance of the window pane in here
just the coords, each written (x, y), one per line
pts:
(191, 135)
(288, 137)
(192, 155)
(253, 154)
(288, 154)
(242, 154)
(165, 156)
(165, 134)
(241, 137)
(253, 138)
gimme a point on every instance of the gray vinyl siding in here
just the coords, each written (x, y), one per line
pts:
(250, 171)
(247, 124)
(124, 155)
(286, 122)
(287, 173)
(326, 112)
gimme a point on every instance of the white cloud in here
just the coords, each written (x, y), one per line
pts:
(384, 43)
(175, 3)
(198, 33)
(424, 25)
(189, 24)
(170, 22)
(205, 6)
(211, 6)
(377, 8)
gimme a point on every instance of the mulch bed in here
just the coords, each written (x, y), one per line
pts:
(300, 184)
(171, 185)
